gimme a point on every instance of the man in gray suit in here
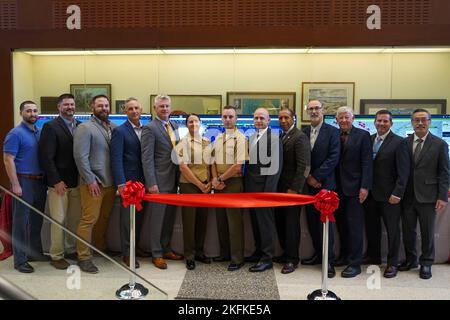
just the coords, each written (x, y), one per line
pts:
(92, 156)
(426, 192)
(159, 137)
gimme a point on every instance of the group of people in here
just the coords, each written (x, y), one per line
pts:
(79, 168)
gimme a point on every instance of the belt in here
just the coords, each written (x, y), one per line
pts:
(30, 176)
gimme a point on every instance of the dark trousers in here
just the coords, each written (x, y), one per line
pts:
(125, 227)
(26, 223)
(265, 221)
(194, 225)
(287, 221)
(390, 213)
(230, 225)
(315, 226)
(427, 217)
(350, 223)
(256, 234)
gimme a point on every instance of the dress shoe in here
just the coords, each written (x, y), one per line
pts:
(71, 256)
(126, 260)
(279, 259)
(261, 266)
(406, 266)
(204, 259)
(370, 261)
(252, 258)
(331, 271)
(351, 271)
(159, 263)
(87, 266)
(172, 256)
(39, 257)
(221, 259)
(425, 272)
(288, 268)
(24, 268)
(390, 272)
(142, 254)
(340, 262)
(235, 266)
(312, 261)
(60, 264)
(190, 264)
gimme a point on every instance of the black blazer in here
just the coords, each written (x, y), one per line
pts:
(264, 167)
(354, 170)
(429, 178)
(296, 161)
(325, 155)
(56, 153)
(390, 168)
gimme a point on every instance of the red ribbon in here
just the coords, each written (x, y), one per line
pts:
(132, 194)
(325, 201)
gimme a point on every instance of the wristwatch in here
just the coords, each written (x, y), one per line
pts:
(219, 179)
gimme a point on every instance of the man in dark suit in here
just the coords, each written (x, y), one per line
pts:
(426, 191)
(261, 175)
(325, 150)
(159, 137)
(126, 165)
(390, 175)
(61, 177)
(354, 180)
(296, 163)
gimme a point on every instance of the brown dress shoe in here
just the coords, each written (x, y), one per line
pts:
(159, 263)
(126, 260)
(172, 256)
(60, 264)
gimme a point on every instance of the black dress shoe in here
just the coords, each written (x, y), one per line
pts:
(288, 268)
(312, 261)
(190, 264)
(24, 268)
(203, 259)
(406, 266)
(425, 272)
(252, 258)
(331, 271)
(261, 266)
(221, 259)
(390, 272)
(351, 271)
(340, 262)
(235, 266)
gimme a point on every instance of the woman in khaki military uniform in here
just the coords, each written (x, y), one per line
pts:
(194, 155)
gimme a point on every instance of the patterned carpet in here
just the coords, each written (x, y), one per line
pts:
(213, 281)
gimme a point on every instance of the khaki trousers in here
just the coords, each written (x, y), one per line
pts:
(94, 220)
(66, 210)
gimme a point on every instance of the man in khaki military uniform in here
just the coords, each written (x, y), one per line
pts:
(230, 153)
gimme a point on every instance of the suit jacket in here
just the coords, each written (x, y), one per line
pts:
(126, 155)
(429, 178)
(354, 170)
(296, 161)
(390, 168)
(263, 169)
(92, 154)
(157, 161)
(56, 153)
(325, 155)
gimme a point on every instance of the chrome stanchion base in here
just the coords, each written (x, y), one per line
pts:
(138, 292)
(321, 295)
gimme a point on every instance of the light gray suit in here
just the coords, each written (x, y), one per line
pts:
(161, 171)
(91, 153)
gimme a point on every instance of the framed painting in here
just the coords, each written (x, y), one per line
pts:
(83, 94)
(48, 105)
(248, 102)
(200, 104)
(120, 106)
(332, 95)
(403, 106)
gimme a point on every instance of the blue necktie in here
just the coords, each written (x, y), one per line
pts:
(377, 146)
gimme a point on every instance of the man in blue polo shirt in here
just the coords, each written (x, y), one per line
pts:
(20, 156)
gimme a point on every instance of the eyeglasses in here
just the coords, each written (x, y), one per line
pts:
(419, 120)
(314, 108)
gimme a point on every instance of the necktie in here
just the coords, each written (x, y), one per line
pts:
(313, 137)
(169, 131)
(417, 150)
(377, 146)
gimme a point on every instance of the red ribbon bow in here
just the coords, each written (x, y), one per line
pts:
(326, 202)
(132, 194)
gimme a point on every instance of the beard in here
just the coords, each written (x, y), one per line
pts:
(102, 116)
